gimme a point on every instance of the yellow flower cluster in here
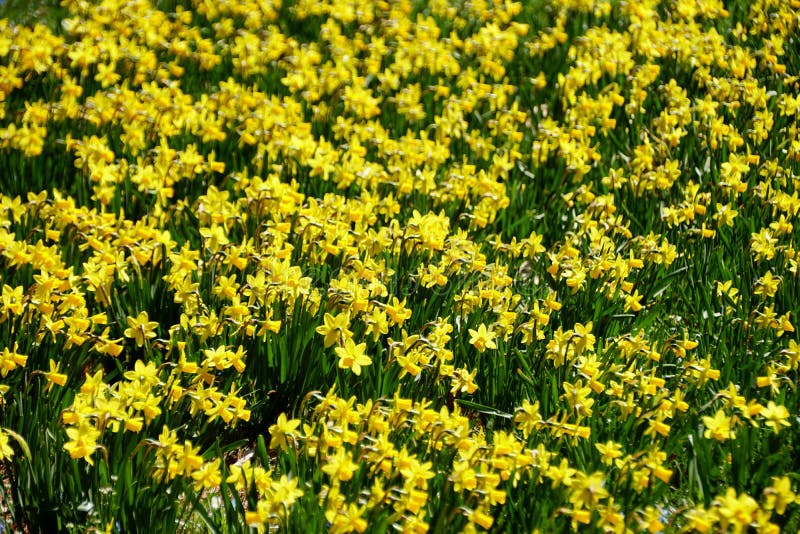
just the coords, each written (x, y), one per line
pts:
(239, 204)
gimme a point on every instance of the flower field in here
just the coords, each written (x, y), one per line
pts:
(400, 266)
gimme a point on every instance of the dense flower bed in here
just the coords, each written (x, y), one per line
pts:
(444, 266)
